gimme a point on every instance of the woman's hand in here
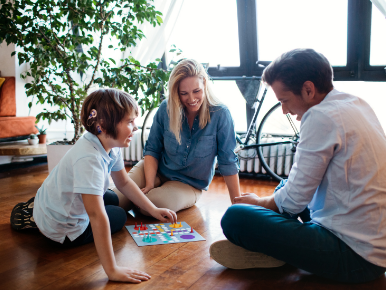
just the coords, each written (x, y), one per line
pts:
(123, 274)
(164, 215)
(147, 188)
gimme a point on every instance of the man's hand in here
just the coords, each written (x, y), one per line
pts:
(248, 198)
(251, 198)
(123, 274)
(164, 215)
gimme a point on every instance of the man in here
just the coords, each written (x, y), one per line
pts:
(338, 178)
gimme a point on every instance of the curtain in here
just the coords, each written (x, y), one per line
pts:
(381, 5)
(154, 45)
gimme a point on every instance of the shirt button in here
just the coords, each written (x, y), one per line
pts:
(187, 146)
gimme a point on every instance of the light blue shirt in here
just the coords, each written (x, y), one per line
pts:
(58, 208)
(340, 173)
(193, 161)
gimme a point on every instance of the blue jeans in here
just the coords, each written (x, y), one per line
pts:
(304, 245)
(117, 218)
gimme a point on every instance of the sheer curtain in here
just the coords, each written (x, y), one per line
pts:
(154, 45)
(381, 5)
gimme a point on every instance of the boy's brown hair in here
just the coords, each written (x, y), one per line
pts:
(111, 106)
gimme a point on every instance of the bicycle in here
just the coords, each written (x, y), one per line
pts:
(274, 142)
(276, 138)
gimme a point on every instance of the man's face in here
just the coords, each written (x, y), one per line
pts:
(290, 103)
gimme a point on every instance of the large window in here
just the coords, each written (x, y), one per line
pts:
(283, 25)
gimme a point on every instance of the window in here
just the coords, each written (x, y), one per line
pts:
(283, 25)
(377, 43)
(208, 32)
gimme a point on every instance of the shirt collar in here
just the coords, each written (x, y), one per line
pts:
(331, 93)
(98, 146)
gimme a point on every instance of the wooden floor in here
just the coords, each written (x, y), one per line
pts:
(29, 261)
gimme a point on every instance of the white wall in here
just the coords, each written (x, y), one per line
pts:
(7, 63)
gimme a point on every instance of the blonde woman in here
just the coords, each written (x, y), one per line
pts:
(190, 129)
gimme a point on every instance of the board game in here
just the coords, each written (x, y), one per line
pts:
(163, 233)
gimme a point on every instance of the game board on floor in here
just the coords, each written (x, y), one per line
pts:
(163, 233)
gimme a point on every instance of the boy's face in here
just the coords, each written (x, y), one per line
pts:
(126, 128)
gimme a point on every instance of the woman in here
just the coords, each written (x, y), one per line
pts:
(190, 129)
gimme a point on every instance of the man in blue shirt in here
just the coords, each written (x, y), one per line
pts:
(339, 178)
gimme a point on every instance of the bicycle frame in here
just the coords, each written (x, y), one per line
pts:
(244, 145)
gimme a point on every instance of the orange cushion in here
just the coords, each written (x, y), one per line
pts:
(8, 98)
(17, 126)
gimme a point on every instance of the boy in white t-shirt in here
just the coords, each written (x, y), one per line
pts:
(74, 206)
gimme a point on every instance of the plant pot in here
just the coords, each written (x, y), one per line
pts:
(42, 139)
(55, 153)
(33, 141)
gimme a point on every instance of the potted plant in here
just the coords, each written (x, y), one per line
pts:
(42, 134)
(72, 48)
(33, 140)
(63, 43)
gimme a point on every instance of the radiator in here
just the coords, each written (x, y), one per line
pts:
(133, 153)
(280, 157)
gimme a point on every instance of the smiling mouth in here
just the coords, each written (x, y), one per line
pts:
(193, 104)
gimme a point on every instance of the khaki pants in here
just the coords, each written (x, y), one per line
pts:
(174, 195)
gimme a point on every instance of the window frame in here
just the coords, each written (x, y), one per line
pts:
(358, 66)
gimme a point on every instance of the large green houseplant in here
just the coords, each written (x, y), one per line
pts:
(62, 40)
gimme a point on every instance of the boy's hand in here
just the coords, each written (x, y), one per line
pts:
(147, 188)
(123, 274)
(165, 215)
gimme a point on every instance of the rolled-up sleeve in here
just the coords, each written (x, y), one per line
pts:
(319, 138)
(226, 143)
(155, 144)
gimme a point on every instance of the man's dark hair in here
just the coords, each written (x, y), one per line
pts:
(111, 106)
(295, 67)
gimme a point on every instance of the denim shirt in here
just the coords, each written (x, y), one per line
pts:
(193, 161)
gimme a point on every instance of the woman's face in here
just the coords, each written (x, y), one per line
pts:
(191, 92)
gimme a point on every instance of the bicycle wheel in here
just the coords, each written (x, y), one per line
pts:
(147, 123)
(275, 127)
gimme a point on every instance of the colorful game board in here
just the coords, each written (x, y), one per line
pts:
(165, 233)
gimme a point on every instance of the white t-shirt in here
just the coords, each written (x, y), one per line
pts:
(58, 208)
(340, 173)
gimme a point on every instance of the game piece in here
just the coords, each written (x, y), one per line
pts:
(136, 227)
(176, 225)
(139, 230)
(161, 234)
(143, 227)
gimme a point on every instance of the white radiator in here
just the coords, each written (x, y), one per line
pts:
(134, 151)
(280, 157)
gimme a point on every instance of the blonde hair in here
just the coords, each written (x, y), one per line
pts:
(184, 69)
